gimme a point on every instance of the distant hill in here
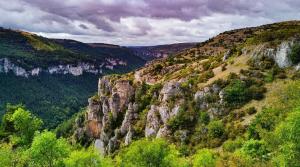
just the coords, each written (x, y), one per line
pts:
(54, 77)
(160, 51)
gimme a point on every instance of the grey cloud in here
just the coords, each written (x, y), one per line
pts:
(142, 21)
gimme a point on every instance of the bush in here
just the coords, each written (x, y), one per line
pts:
(204, 118)
(251, 110)
(150, 153)
(236, 92)
(232, 145)
(295, 54)
(264, 121)
(90, 158)
(216, 129)
(204, 158)
(255, 149)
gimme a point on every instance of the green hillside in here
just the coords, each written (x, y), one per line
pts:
(56, 97)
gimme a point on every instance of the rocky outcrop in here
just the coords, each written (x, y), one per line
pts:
(153, 122)
(105, 111)
(169, 90)
(280, 54)
(7, 65)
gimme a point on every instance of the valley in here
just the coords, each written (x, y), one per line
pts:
(232, 100)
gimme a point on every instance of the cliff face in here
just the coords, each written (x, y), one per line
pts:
(166, 98)
(7, 66)
(25, 54)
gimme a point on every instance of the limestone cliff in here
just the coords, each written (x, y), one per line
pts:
(174, 97)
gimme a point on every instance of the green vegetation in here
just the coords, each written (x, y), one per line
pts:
(249, 114)
(150, 153)
(54, 98)
(295, 54)
(30, 51)
(204, 158)
(275, 33)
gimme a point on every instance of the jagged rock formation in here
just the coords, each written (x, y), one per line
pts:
(165, 98)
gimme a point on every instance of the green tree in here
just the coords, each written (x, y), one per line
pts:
(287, 136)
(150, 153)
(25, 125)
(204, 158)
(12, 157)
(87, 158)
(48, 151)
(7, 125)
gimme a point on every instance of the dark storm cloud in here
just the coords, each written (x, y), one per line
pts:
(135, 21)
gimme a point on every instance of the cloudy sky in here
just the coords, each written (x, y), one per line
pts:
(141, 22)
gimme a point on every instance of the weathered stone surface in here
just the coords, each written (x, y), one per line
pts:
(222, 96)
(130, 116)
(125, 92)
(279, 54)
(115, 105)
(100, 146)
(163, 132)
(227, 55)
(128, 138)
(169, 90)
(164, 113)
(104, 86)
(153, 122)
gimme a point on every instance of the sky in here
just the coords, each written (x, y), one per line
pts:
(141, 22)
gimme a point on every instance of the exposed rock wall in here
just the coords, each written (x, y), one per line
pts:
(280, 54)
(7, 65)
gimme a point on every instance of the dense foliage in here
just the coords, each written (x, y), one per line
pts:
(54, 98)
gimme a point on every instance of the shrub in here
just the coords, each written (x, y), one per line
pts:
(216, 129)
(264, 121)
(255, 149)
(204, 158)
(236, 92)
(204, 118)
(90, 158)
(150, 153)
(232, 145)
(251, 110)
(158, 68)
(295, 54)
